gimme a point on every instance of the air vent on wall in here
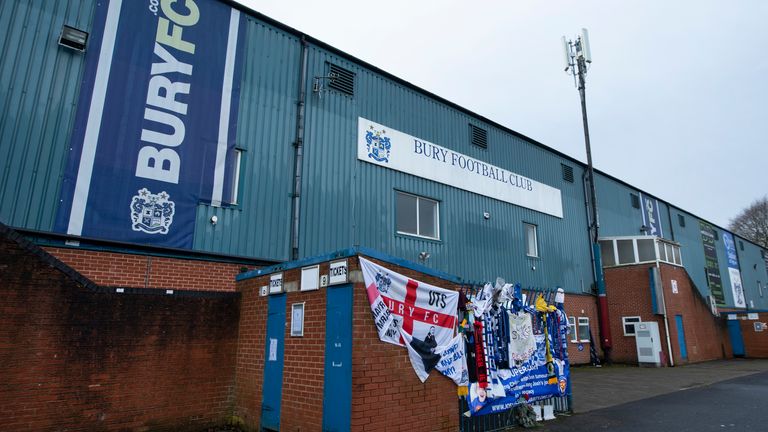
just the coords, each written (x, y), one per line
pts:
(681, 220)
(343, 80)
(635, 200)
(478, 136)
(567, 173)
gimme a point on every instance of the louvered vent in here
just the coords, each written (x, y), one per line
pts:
(635, 200)
(343, 80)
(478, 136)
(567, 173)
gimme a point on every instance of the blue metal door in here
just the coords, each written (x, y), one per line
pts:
(273, 364)
(337, 387)
(737, 342)
(681, 337)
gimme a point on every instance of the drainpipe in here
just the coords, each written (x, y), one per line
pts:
(666, 320)
(298, 155)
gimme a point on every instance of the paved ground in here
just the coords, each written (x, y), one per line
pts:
(596, 388)
(739, 404)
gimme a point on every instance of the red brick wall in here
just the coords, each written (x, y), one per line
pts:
(77, 359)
(144, 271)
(386, 393)
(755, 343)
(629, 294)
(582, 306)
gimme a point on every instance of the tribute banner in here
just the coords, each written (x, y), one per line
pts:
(733, 270)
(529, 380)
(386, 147)
(417, 315)
(154, 131)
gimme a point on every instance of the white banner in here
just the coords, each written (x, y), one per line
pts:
(424, 311)
(383, 146)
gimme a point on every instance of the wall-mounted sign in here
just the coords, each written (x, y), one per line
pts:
(674, 286)
(272, 349)
(752, 316)
(263, 291)
(733, 270)
(711, 265)
(297, 319)
(276, 283)
(760, 326)
(310, 278)
(338, 272)
(389, 148)
(649, 207)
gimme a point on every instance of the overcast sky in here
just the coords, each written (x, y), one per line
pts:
(677, 94)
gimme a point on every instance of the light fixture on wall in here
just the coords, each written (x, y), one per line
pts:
(486, 215)
(424, 256)
(73, 38)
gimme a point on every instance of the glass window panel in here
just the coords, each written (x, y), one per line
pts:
(406, 213)
(583, 329)
(572, 329)
(427, 218)
(626, 251)
(606, 253)
(646, 250)
(629, 325)
(531, 248)
(662, 251)
(670, 256)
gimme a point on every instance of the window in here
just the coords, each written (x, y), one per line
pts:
(681, 220)
(635, 200)
(760, 288)
(741, 245)
(572, 329)
(531, 243)
(236, 177)
(629, 324)
(417, 216)
(646, 250)
(583, 329)
(607, 253)
(626, 251)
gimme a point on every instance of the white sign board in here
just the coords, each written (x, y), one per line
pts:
(276, 283)
(752, 316)
(338, 272)
(310, 278)
(386, 147)
(272, 349)
(674, 287)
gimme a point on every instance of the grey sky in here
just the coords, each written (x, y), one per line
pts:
(676, 94)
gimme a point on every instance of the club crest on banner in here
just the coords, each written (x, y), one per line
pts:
(378, 145)
(151, 213)
(383, 282)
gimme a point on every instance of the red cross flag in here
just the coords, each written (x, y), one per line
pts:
(425, 312)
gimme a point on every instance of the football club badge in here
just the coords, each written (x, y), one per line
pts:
(383, 282)
(378, 145)
(151, 213)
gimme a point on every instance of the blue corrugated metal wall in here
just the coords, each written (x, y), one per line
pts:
(752, 271)
(39, 83)
(344, 201)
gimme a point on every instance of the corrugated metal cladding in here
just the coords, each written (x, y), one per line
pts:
(39, 83)
(260, 225)
(347, 201)
(617, 215)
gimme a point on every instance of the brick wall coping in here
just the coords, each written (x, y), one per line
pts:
(350, 252)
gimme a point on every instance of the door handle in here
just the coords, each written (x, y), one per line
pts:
(333, 363)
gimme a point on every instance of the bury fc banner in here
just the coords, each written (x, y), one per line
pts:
(417, 315)
(733, 270)
(155, 127)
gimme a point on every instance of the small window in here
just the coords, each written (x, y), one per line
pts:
(646, 250)
(629, 324)
(626, 251)
(583, 329)
(567, 172)
(635, 200)
(531, 242)
(342, 80)
(235, 198)
(607, 253)
(572, 329)
(741, 245)
(478, 136)
(417, 216)
(662, 251)
(681, 220)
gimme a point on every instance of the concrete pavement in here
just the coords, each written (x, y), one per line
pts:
(596, 388)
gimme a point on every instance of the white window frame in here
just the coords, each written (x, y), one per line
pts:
(418, 221)
(535, 240)
(572, 329)
(236, 178)
(583, 321)
(626, 320)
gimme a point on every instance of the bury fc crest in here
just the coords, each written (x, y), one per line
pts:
(150, 213)
(378, 145)
(383, 282)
